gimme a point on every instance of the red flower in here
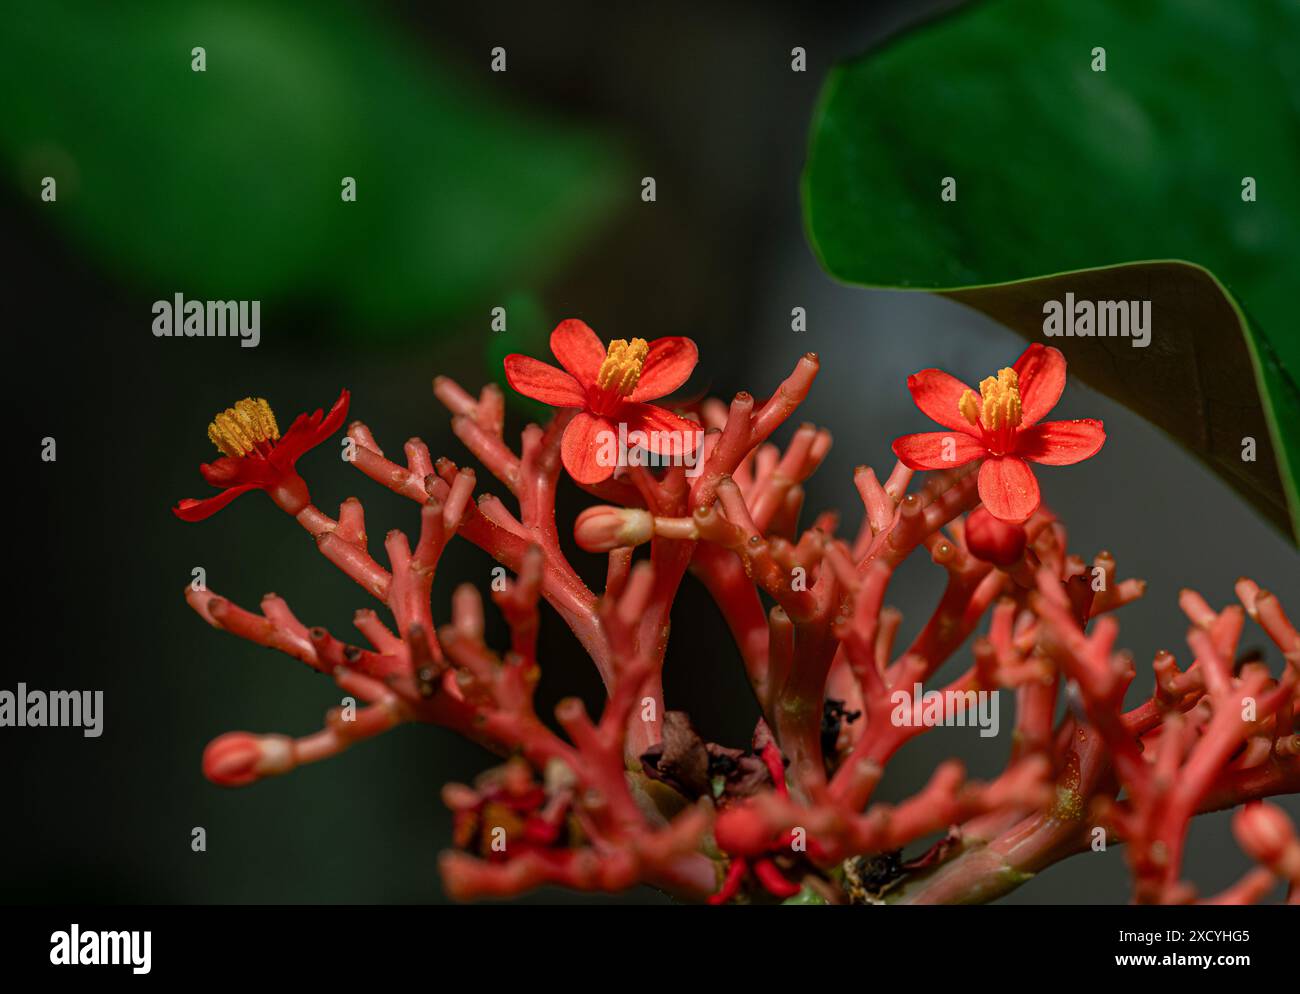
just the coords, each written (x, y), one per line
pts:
(255, 457)
(1001, 427)
(610, 387)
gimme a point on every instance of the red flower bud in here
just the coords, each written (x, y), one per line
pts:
(994, 540)
(602, 528)
(1269, 838)
(231, 760)
(237, 759)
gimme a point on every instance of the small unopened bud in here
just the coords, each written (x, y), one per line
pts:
(237, 759)
(993, 540)
(602, 528)
(1269, 838)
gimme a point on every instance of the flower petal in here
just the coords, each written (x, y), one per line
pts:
(938, 449)
(196, 510)
(334, 420)
(307, 432)
(584, 451)
(1041, 372)
(1008, 488)
(937, 393)
(667, 366)
(668, 432)
(579, 350)
(251, 469)
(1061, 443)
(543, 382)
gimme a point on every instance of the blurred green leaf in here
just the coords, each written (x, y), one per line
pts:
(226, 183)
(1103, 179)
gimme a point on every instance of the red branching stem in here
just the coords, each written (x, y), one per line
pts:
(630, 797)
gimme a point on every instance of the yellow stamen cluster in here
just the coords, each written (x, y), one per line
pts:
(622, 366)
(237, 430)
(1000, 404)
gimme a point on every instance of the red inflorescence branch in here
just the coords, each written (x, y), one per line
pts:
(636, 796)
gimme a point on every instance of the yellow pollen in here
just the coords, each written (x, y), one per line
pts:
(998, 405)
(238, 430)
(622, 366)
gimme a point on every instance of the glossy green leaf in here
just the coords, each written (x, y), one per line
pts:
(1122, 184)
(227, 183)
